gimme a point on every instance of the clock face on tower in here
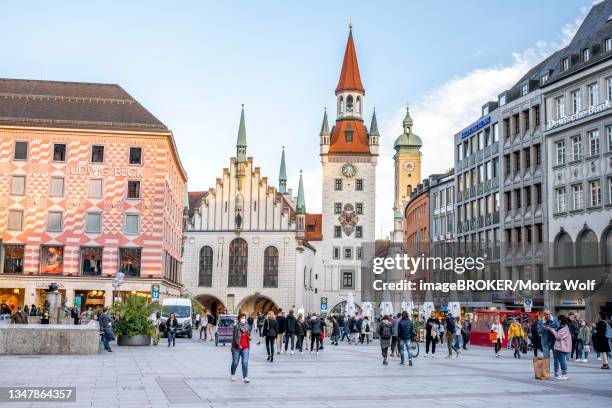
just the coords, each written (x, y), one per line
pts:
(409, 166)
(349, 170)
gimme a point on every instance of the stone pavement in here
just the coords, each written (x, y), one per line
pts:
(194, 374)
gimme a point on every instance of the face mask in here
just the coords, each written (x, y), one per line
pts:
(242, 321)
(313, 317)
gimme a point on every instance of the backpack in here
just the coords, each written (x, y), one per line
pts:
(385, 332)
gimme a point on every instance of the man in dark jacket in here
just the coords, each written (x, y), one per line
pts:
(106, 328)
(450, 335)
(280, 331)
(316, 328)
(20, 317)
(353, 330)
(290, 329)
(405, 332)
(574, 328)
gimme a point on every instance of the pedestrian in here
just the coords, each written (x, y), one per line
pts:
(515, 335)
(340, 320)
(601, 339)
(497, 336)
(394, 339)
(107, 335)
(345, 329)
(466, 331)
(290, 328)
(260, 323)
(26, 310)
(584, 338)
(385, 332)
(44, 319)
(76, 315)
(458, 335)
(171, 328)
(316, 328)
(405, 334)
(88, 313)
(198, 323)
(536, 341)
(211, 319)
(366, 330)
(562, 347)
(240, 348)
(574, 327)
(431, 334)
(20, 317)
(204, 326)
(280, 330)
(34, 310)
(335, 333)
(353, 330)
(451, 329)
(301, 328)
(270, 332)
(546, 338)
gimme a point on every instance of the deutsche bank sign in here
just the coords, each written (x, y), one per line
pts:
(476, 126)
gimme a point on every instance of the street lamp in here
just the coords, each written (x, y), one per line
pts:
(117, 282)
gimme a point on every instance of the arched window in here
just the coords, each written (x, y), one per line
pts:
(587, 248)
(238, 261)
(310, 279)
(408, 190)
(206, 264)
(341, 105)
(270, 267)
(358, 104)
(606, 246)
(564, 250)
(349, 103)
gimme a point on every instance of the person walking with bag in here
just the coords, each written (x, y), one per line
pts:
(584, 337)
(515, 335)
(171, 328)
(240, 348)
(385, 332)
(431, 334)
(601, 340)
(270, 331)
(366, 330)
(497, 336)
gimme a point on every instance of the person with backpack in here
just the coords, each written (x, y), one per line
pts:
(316, 328)
(405, 334)
(290, 328)
(431, 334)
(385, 332)
(270, 333)
(366, 330)
(301, 328)
(601, 340)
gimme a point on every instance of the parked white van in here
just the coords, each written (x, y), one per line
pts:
(181, 307)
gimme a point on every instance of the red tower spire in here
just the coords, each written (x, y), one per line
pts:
(350, 80)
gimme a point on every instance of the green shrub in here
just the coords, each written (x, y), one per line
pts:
(132, 316)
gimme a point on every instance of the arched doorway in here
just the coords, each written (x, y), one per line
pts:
(211, 303)
(341, 308)
(251, 305)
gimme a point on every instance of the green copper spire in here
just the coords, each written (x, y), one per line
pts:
(325, 125)
(282, 175)
(407, 120)
(374, 125)
(408, 142)
(301, 203)
(241, 144)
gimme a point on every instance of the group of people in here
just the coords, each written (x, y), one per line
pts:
(205, 323)
(456, 330)
(567, 337)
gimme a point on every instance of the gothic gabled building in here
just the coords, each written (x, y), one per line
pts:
(246, 246)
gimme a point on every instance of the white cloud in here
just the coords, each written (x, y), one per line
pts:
(447, 109)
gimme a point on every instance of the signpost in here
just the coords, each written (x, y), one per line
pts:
(528, 304)
(155, 293)
(324, 304)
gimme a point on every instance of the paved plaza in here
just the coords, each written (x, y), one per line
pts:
(197, 375)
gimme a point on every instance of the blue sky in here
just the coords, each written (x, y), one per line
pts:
(192, 63)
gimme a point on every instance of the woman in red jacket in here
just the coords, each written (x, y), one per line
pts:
(240, 347)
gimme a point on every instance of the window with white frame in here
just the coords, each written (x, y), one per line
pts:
(586, 55)
(56, 187)
(524, 89)
(358, 252)
(560, 107)
(18, 184)
(560, 150)
(595, 193)
(336, 252)
(15, 220)
(576, 147)
(609, 132)
(608, 44)
(576, 101)
(593, 94)
(94, 188)
(93, 222)
(132, 222)
(564, 64)
(609, 190)
(577, 194)
(54, 221)
(561, 199)
(609, 88)
(593, 142)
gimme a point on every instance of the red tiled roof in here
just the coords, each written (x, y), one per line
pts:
(338, 143)
(350, 80)
(314, 227)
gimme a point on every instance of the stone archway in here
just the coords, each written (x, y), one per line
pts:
(211, 303)
(251, 305)
(340, 308)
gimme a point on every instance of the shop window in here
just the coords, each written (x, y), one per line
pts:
(129, 261)
(97, 154)
(135, 155)
(13, 258)
(91, 261)
(133, 189)
(52, 260)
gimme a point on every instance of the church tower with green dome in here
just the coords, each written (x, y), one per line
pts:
(407, 159)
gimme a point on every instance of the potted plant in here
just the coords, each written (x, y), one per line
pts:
(133, 325)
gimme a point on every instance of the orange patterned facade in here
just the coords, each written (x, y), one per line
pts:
(81, 200)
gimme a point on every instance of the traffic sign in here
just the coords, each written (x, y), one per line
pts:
(323, 304)
(528, 304)
(154, 292)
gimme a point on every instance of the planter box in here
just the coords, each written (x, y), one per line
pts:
(140, 340)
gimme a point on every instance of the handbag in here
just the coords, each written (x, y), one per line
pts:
(587, 348)
(493, 336)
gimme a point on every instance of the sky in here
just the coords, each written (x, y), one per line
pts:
(193, 63)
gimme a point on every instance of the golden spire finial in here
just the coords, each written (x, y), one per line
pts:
(350, 23)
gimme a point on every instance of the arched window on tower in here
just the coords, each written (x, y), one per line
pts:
(238, 262)
(206, 264)
(349, 103)
(358, 104)
(341, 105)
(348, 133)
(408, 190)
(587, 248)
(270, 267)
